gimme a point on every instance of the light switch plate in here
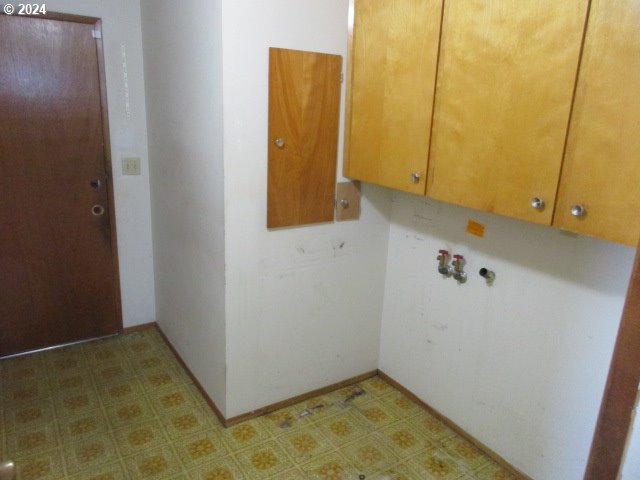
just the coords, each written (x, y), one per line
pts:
(131, 166)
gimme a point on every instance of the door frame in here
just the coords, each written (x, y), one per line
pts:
(621, 391)
(106, 138)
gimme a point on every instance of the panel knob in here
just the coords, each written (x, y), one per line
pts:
(415, 177)
(578, 210)
(537, 203)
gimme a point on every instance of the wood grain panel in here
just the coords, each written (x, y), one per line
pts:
(304, 110)
(393, 59)
(505, 85)
(58, 262)
(602, 163)
(616, 411)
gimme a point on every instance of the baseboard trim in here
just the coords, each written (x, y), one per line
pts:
(138, 328)
(261, 411)
(453, 426)
(328, 389)
(300, 398)
(193, 378)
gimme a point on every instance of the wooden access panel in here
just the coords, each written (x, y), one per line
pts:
(601, 169)
(392, 71)
(506, 78)
(304, 116)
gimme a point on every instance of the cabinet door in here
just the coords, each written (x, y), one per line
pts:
(505, 85)
(304, 117)
(392, 70)
(601, 169)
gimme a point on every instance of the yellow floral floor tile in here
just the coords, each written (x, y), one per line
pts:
(369, 454)
(346, 427)
(123, 408)
(203, 448)
(332, 466)
(405, 440)
(265, 460)
(305, 443)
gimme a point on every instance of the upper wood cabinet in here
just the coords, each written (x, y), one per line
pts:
(601, 170)
(505, 85)
(529, 109)
(391, 78)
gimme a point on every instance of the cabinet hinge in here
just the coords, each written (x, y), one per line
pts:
(96, 33)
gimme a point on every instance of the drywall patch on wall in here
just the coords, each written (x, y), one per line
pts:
(303, 304)
(520, 365)
(128, 128)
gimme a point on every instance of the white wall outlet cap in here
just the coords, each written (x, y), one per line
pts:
(131, 165)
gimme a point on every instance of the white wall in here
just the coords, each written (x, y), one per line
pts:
(303, 304)
(121, 26)
(522, 365)
(183, 62)
(631, 465)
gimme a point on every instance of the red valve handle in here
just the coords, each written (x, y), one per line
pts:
(458, 257)
(444, 252)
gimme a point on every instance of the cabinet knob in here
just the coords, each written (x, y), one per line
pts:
(279, 142)
(415, 177)
(578, 210)
(537, 203)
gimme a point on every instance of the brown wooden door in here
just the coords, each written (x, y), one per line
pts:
(58, 261)
(616, 416)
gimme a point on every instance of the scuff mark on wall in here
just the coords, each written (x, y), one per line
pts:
(308, 252)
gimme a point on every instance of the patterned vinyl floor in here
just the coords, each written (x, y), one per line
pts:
(122, 408)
